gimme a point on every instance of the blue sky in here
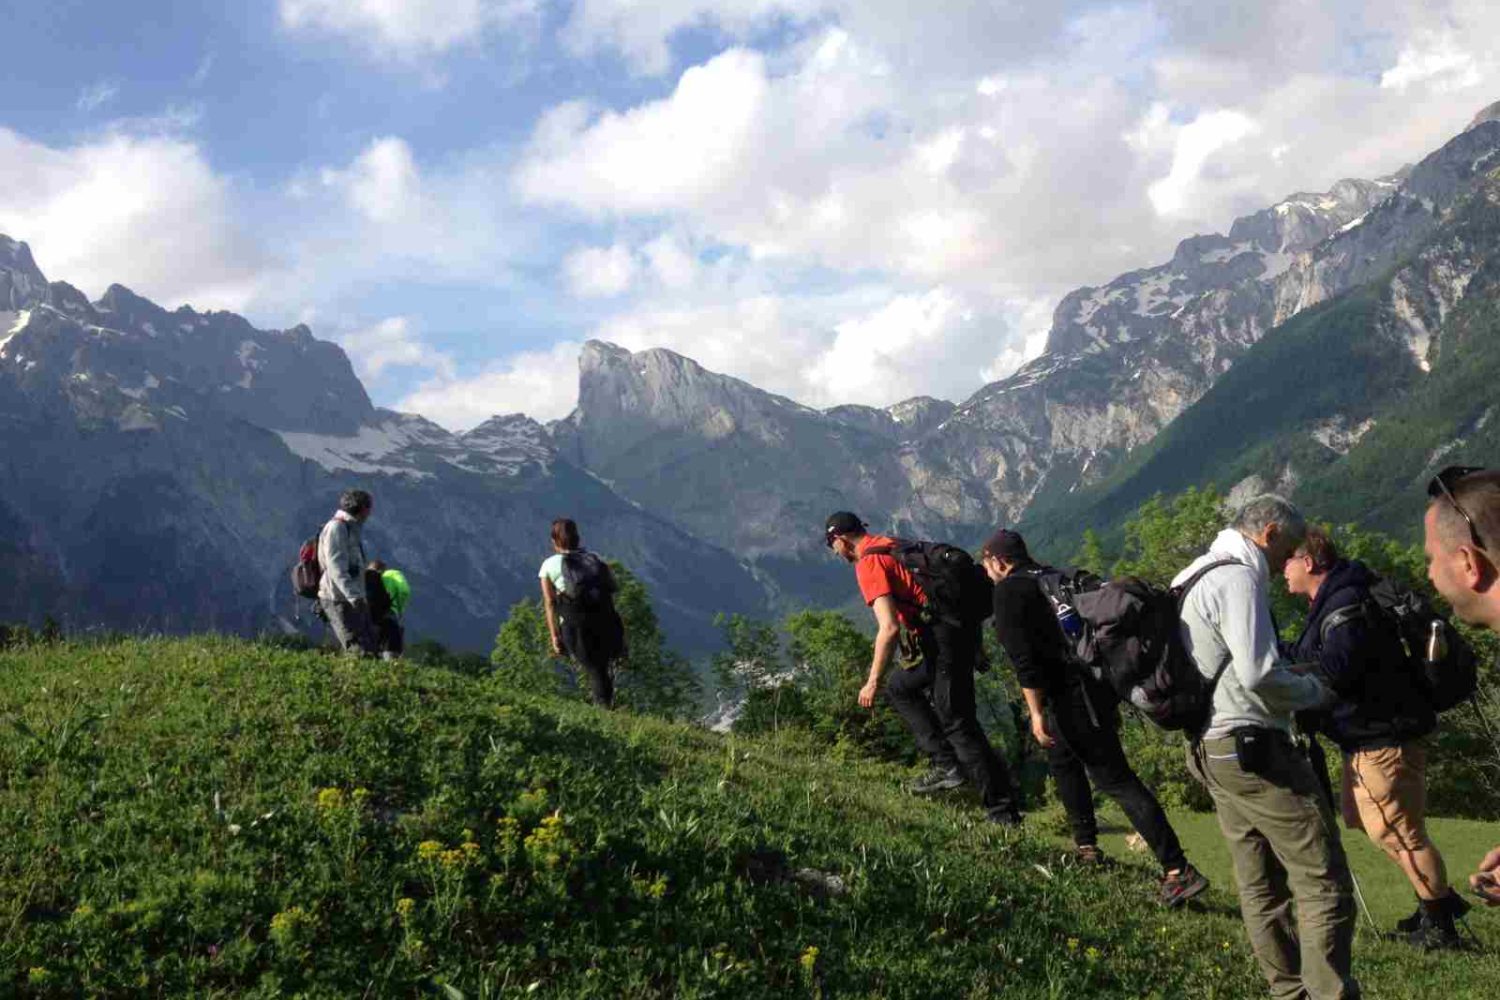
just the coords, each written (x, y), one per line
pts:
(844, 202)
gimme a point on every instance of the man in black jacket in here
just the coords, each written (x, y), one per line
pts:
(1378, 722)
(1075, 718)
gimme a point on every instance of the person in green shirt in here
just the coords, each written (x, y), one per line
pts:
(389, 593)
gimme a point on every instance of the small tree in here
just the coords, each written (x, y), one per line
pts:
(653, 679)
(753, 671)
(523, 656)
(1163, 536)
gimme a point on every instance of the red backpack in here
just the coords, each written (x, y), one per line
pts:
(307, 572)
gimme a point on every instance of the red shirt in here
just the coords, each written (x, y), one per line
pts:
(883, 576)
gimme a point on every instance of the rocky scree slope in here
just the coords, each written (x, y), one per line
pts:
(158, 470)
(1352, 405)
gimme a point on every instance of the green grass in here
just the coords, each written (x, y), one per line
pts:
(1386, 969)
(212, 818)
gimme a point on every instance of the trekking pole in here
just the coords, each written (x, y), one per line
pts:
(1319, 761)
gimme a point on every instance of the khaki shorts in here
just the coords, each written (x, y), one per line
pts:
(1388, 791)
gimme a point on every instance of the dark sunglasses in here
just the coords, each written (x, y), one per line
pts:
(1442, 486)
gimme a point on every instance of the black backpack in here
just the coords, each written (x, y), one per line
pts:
(307, 572)
(1133, 636)
(1453, 677)
(588, 583)
(959, 591)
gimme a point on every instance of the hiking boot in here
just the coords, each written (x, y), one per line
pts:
(1452, 907)
(1436, 934)
(1179, 887)
(939, 779)
(1089, 856)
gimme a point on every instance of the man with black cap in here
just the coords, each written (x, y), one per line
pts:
(1074, 717)
(934, 695)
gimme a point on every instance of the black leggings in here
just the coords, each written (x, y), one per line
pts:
(936, 701)
(1085, 756)
(592, 651)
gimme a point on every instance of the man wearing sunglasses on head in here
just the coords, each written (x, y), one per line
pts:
(1462, 543)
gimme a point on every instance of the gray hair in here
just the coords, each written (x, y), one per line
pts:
(1268, 508)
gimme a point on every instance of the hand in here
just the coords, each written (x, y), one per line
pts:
(557, 646)
(867, 693)
(1487, 880)
(1039, 731)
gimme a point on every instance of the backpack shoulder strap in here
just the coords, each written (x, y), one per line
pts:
(1192, 581)
(1340, 617)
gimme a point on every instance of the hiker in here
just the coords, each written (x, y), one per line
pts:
(1381, 715)
(388, 594)
(933, 691)
(1273, 811)
(578, 597)
(341, 591)
(1460, 528)
(1075, 718)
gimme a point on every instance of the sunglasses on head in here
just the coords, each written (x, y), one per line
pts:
(1442, 486)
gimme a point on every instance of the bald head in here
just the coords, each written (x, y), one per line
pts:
(1461, 567)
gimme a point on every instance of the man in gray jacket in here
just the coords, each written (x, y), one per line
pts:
(341, 592)
(1271, 807)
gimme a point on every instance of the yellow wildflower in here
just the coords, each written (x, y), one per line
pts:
(428, 850)
(469, 847)
(451, 859)
(39, 976)
(330, 798)
(1092, 954)
(404, 907)
(809, 957)
(1072, 944)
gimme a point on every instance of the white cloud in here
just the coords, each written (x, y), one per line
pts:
(96, 95)
(382, 183)
(1436, 61)
(657, 157)
(392, 343)
(599, 272)
(407, 27)
(1193, 148)
(543, 384)
(145, 211)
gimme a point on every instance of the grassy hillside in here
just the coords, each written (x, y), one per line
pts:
(216, 818)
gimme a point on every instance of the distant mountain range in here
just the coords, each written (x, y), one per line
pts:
(158, 469)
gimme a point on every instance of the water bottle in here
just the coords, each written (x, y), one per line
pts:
(1070, 620)
(1437, 642)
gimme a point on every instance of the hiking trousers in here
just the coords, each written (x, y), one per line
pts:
(1085, 756)
(589, 640)
(351, 627)
(1285, 847)
(936, 701)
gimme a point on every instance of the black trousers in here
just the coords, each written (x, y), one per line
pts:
(1085, 756)
(588, 640)
(936, 701)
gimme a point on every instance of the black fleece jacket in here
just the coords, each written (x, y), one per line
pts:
(1026, 626)
(1381, 700)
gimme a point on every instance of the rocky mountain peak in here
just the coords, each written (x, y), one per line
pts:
(22, 283)
(1489, 114)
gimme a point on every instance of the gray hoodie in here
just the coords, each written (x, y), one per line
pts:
(341, 553)
(1227, 620)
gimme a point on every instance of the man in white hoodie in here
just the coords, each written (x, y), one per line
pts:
(341, 591)
(1271, 806)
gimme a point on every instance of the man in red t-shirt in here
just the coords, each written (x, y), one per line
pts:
(935, 696)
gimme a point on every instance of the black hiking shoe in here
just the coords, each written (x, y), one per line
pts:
(1181, 886)
(1088, 856)
(1437, 934)
(939, 779)
(1454, 907)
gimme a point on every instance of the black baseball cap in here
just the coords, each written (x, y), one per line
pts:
(841, 523)
(1006, 544)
